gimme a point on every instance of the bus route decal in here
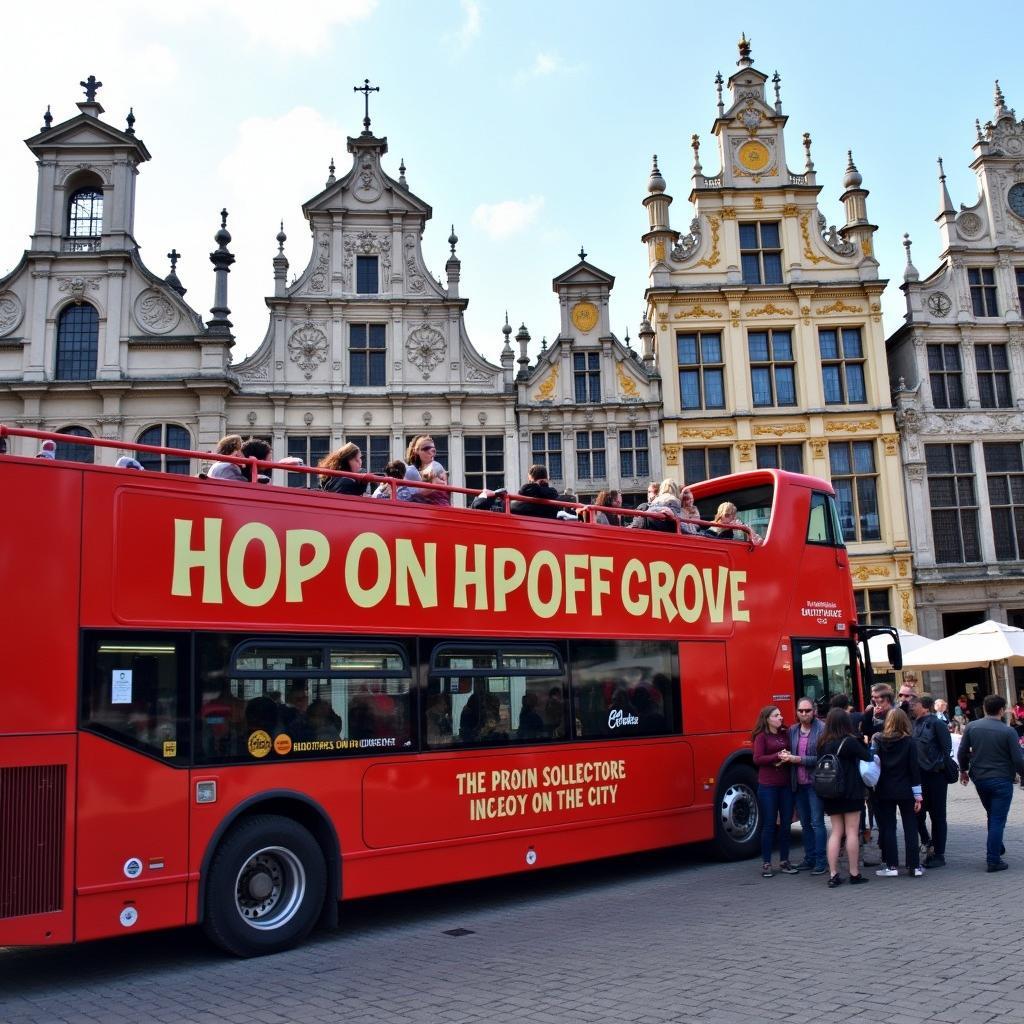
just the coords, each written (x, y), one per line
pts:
(255, 565)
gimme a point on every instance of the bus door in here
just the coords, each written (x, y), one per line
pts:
(823, 668)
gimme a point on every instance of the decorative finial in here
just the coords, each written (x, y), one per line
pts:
(1000, 102)
(544, 343)
(977, 129)
(852, 178)
(718, 87)
(744, 47)
(366, 89)
(130, 130)
(331, 179)
(583, 255)
(942, 170)
(910, 272)
(626, 339)
(47, 119)
(507, 328)
(172, 278)
(223, 236)
(281, 239)
(945, 203)
(401, 174)
(695, 142)
(655, 183)
(90, 85)
(453, 240)
(808, 162)
(777, 81)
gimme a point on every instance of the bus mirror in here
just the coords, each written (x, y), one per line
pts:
(895, 654)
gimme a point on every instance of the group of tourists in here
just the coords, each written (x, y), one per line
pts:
(860, 768)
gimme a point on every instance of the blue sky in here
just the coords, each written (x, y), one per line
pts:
(529, 125)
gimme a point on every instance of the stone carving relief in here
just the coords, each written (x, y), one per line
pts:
(414, 279)
(1007, 136)
(367, 243)
(365, 186)
(969, 225)
(833, 239)
(939, 304)
(318, 279)
(10, 312)
(256, 374)
(155, 313)
(687, 245)
(477, 375)
(307, 347)
(76, 287)
(425, 348)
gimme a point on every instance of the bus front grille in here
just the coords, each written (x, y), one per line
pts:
(31, 839)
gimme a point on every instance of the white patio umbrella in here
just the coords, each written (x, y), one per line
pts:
(878, 648)
(975, 647)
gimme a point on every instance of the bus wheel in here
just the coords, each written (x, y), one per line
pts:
(737, 815)
(265, 888)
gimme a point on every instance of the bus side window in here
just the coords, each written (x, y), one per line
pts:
(823, 670)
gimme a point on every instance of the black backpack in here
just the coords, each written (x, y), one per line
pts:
(829, 776)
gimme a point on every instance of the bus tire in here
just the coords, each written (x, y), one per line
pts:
(265, 888)
(737, 814)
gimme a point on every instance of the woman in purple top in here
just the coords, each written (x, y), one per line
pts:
(774, 792)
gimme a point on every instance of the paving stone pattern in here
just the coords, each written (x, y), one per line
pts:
(670, 936)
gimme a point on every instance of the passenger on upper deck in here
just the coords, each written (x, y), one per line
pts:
(490, 501)
(538, 487)
(394, 469)
(418, 456)
(347, 459)
(690, 510)
(608, 499)
(435, 473)
(127, 462)
(568, 515)
(229, 445)
(47, 450)
(725, 518)
(666, 510)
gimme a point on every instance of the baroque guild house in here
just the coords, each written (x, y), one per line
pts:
(767, 331)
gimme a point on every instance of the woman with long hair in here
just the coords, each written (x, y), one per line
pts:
(774, 791)
(898, 788)
(346, 459)
(844, 810)
(608, 499)
(418, 456)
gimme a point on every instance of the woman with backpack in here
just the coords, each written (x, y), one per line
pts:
(774, 792)
(899, 787)
(837, 781)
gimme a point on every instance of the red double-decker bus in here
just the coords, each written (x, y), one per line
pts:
(238, 705)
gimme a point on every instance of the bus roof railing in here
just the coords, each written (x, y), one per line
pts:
(585, 512)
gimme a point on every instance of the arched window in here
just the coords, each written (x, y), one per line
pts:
(85, 219)
(165, 435)
(78, 333)
(75, 452)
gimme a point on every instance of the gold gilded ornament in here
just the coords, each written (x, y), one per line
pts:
(584, 316)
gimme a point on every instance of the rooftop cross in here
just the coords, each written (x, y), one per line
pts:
(366, 89)
(90, 85)
(174, 256)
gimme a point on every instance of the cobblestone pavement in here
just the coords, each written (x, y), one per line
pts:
(671, 936)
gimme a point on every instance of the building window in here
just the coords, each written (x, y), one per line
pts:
(546, 450)
(954, 504)
(855, 480)
(440, 445)
(1004, 468)
(761, 253)
(586, 368)
(634, 455)
(842, 366)
(705, 463)
(873, 607)
(75, 452)
(944, 370)
(311, 449)
(376, 449)
(983, 291)
(78, 333)
(781, 456)
(165, 435)
(1020, 287)
(367, 354)
(485, 461)
(993, 376)
(85, 220)
(366, 275)
(590, 460)
(701, 371)
(772, 369)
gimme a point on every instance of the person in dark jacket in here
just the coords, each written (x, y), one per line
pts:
(898, 788)
(538, 487)
(802, 756)
(931, 735)
(839, 739)
(347, 459)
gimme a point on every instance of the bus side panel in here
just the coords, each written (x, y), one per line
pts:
(704, 676)
(39, 562)
(37, 785)
(130, 808)
(485, 793)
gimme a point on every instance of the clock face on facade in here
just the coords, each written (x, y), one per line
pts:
(584, 316)
(754, 156)
(1015, 199)
(939, 303)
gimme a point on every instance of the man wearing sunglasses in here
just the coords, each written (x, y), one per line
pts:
(804, 738)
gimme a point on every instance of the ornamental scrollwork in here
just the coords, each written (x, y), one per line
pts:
(712, 257)
(155, 313)
(688, 244)
(318, 279)
(366, 243)
(698, 312)
(805, 232)
(10, 312)
(831, 237)
(78, 286)
(425, 348)
(307, 347)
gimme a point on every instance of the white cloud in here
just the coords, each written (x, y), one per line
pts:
(502, 220)
(544, 65)
(471, 24)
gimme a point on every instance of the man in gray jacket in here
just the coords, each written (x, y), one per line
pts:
(990, 755)
(804, 738)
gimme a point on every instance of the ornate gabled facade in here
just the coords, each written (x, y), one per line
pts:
(958, 363)
(588, 408)
(768, 334)
(91, 340)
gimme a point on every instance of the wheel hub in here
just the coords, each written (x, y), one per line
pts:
(739, 812)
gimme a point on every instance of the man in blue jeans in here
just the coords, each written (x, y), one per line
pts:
(991, 755)
(804, 738)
